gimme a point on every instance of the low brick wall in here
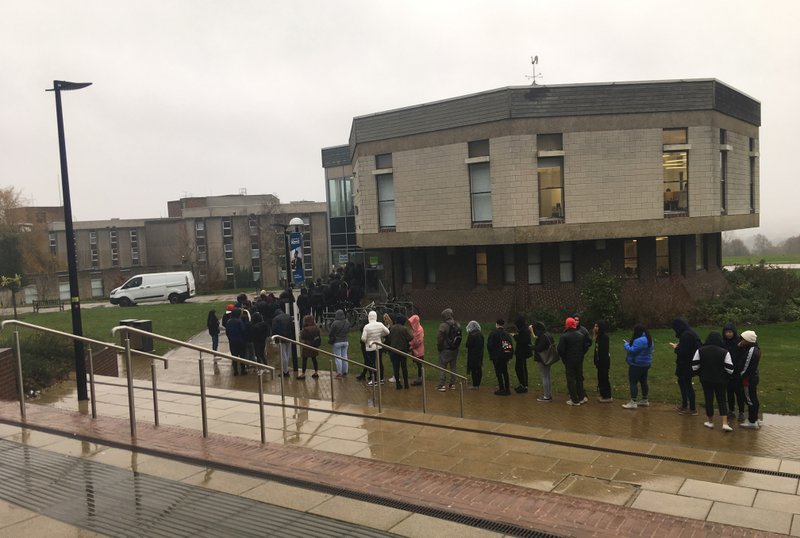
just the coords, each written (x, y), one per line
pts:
(8, 379)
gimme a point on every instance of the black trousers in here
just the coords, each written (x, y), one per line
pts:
(603, 383)
(574, 373)
(751, 395)
(521, 369)
(313, 361)
(501, 369)
(715, 391)
(735, 394)
(400, 364)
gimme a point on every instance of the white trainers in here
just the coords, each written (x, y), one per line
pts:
(570, 402)
(585, 400)
(630, 405)
(643, 403)
(391, 379)
(709, 425)
(726, 428)
(749, 425)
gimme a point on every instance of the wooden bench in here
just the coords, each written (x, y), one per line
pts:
(48, 303)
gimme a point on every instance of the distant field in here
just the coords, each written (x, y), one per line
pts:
(754, 260)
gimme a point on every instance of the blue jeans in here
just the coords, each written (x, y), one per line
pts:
(638, 374)
(340, 350)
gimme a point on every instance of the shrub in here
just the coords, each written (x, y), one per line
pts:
(46, 359)
(601, 294)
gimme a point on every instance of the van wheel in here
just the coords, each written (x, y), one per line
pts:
(125, 302)
(173, 298)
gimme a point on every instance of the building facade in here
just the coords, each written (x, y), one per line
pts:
(502, 201)
(226, 241)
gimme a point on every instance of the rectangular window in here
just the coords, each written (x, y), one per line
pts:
(386, 217)
(201, 252)
(699, 252)
(481, 269)
(662, 256)
(95, 256)
(199, 229)
(112, 238)
(430, 266)
(51, 237)
(534, 264)
(383, 161)
(340, 197)
(93, 237)
(675, 136)
(676, 181)
(252, 223)
(550, 142)
(631, 254)
(723, 181)
(509, 274)
(478, 148)
(134, 235)
(407, 266)
(565, 262)
(480, 186)
(228, 251)
(115, 257)
(752, 175)
(97, 287)
(551, 189)
(227, 227)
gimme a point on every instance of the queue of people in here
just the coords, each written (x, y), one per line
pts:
(726, 364)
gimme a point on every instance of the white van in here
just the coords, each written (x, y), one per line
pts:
(173, 287)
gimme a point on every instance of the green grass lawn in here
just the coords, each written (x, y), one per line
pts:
(779, 389)
(755, 260)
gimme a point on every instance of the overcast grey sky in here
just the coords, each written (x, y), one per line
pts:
(207, 97)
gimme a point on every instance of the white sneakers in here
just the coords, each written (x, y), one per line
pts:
(643, 403)
(709, 425)
(630, 405)
(726, 428)
(749, 425)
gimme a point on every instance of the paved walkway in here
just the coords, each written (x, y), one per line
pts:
(593, 470)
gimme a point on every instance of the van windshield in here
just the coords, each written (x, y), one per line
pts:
(133, 283)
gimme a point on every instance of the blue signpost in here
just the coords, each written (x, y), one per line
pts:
(296, 257)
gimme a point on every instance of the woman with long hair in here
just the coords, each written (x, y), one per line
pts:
(639, 358)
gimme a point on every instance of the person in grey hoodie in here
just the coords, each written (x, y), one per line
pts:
(338, 336)
(448, 350)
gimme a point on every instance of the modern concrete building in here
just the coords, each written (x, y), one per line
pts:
(235, 241)
(501, 201)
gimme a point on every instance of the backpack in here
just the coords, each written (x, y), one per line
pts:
(506, 347)
(454, 336)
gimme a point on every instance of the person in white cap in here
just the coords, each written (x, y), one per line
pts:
(749, 374)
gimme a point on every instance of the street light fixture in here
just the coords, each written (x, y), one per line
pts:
(72, 262)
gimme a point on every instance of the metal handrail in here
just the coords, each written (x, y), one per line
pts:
(461, 378)
(376, 371)
(119, 349)
(260, 368)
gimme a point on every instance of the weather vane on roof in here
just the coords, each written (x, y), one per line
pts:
(534, 61)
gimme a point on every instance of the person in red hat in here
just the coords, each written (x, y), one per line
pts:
(572, 346)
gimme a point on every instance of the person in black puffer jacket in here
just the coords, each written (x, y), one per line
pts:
(688, 343)
(572, 346)
(602, 361)
(714, 365)
(522, 352)
(735, 390)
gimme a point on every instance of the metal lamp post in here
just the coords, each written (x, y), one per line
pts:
(72, 262)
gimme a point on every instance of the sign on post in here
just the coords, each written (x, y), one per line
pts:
(296, 257)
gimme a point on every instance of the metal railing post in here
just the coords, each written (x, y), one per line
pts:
(155, 390)
(461, 390)
(331, 363)
(91, 383)
(260, 374)
(203, 409)
(20, 382)
(378, 381)
(283, 389)
(129, 374)
(424, 393)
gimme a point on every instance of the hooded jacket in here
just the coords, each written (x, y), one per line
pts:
(282, 325)
(474, 345)
(493, 346)
(522, 340)
(308, 334)
(443, 332)
(400, 334)
(373, 331)
(573, 344)
(418, 341)
(339, 328)
(712, 362)
(543, 340)
(732, 345)
(688, 343)
(639, 352)
(602, 351)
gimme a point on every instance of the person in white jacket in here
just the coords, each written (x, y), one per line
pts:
(373, 333)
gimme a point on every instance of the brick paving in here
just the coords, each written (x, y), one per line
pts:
(500, 502)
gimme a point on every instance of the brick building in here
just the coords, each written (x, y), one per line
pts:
(234, 240)
(501, 201)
